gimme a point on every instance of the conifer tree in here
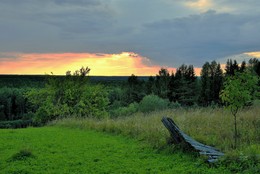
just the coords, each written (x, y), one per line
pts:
(185, 91)
(211, 83)
(135, 90)
(162, 83)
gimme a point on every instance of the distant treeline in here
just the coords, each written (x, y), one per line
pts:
(19, 81)
(48, 96)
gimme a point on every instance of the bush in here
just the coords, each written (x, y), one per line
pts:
(15, 124)
(93, 103)
(66, 97)
(12, 103)
(125, 111)
(153, 103)
(174, 105)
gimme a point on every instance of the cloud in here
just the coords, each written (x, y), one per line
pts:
(124, 64)
(199, 38)
(239, 6)
(167, 32)
(200, 4)
(227, 6)
(78, 2)
(255, 54)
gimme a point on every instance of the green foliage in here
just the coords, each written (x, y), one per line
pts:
(174, 105)
(70, 96)
(12, 103)
(211, 83)
(22, 81)
(185, 86)
(15, 124)
(94, 102)
(135, 89)
(254, 64)
(239, 90)
(153, 103)
(236, 162)
(117, 96)
(125, 111)
(41, 101)
(231, 67)
(150, 86)
(162, 83)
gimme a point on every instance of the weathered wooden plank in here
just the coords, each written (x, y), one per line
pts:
(180, 137)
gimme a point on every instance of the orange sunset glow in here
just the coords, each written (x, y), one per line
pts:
(254, 54)
(123, 64)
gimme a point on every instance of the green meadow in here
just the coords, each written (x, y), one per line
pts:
(54, 149)
(207, 125)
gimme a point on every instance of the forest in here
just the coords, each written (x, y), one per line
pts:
(38, 99)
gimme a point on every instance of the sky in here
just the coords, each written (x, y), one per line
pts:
(124, 37)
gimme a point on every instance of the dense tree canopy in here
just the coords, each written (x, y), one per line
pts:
(75, 95)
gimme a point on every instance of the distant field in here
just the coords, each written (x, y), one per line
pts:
(67, 150)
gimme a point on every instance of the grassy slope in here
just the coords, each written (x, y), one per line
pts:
(210, 126)
(64, 150)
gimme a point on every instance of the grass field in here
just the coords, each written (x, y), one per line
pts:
(210, 126)
(64, 150)
(134, 144)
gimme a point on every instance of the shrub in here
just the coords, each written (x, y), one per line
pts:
(15, 124)
(12, 103)
(174, 105)
(125, 111)
(239, 90)
(153, 103)
(69, 96)
(93, 103)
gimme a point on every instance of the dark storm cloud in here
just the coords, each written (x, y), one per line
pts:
(197, 38)
(9, 56)
(162, 30)
(52, 26)
(77, 2)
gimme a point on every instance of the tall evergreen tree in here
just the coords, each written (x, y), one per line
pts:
(211, 83)
(150, 86)
(205, 97)
(171, 88)
(254, 64)
(135, 90)
(231, 67)
(217, 81)
(242, 67)
(185, 86)
(162, 82)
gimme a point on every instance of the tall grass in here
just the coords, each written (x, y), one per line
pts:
(210, 126)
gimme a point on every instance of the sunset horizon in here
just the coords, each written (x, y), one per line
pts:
(101, 64)
(117, 38)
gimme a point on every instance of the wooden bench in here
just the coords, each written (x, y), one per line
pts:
(180, 137)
